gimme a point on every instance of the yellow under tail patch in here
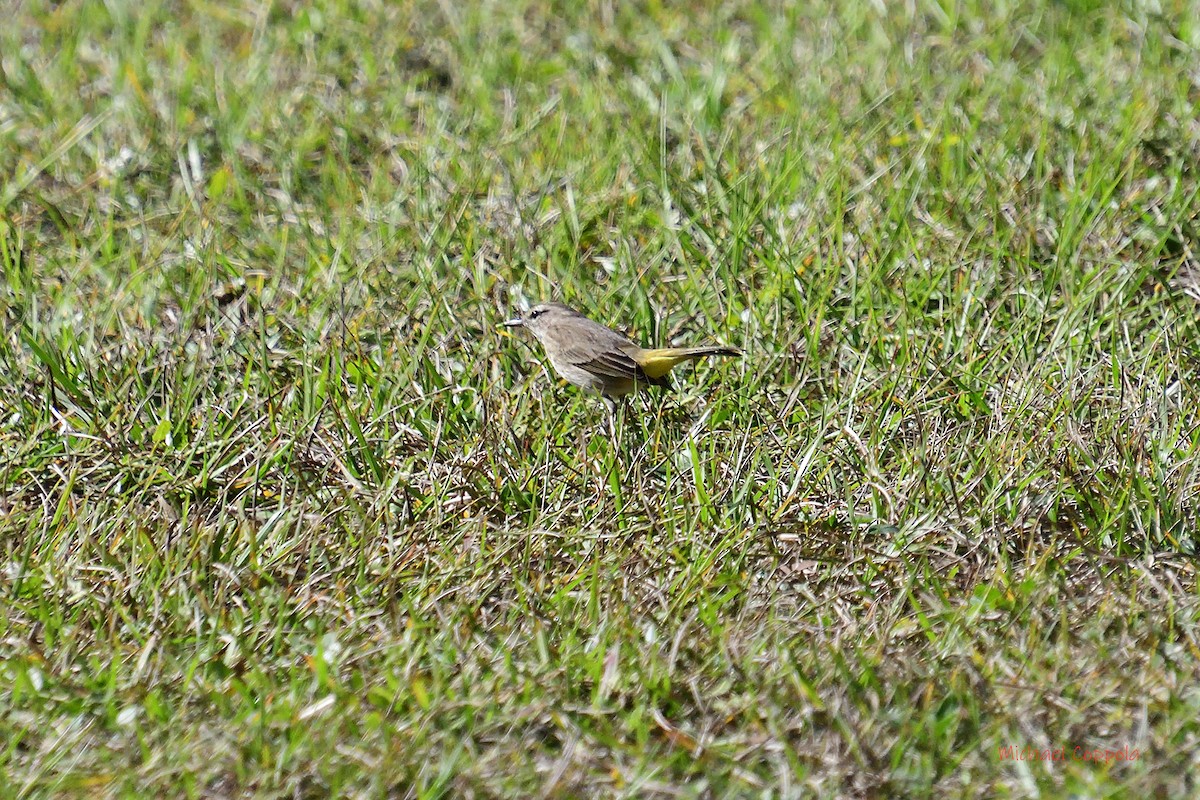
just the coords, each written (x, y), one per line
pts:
(656, 363)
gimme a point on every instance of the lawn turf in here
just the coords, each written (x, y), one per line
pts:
(284, 514)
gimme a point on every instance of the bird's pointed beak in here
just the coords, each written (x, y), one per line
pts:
(515, 322)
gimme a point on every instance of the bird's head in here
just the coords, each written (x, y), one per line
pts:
(541, 316)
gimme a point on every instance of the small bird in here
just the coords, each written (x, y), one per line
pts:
(599, 359)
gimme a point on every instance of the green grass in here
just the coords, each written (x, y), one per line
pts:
(283, 513)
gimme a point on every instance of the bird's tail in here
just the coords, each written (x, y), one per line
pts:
(656, 363)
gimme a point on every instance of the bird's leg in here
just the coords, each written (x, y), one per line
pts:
(611, 405)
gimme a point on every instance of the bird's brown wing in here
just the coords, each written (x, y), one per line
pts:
(618, 364)
(605, 352)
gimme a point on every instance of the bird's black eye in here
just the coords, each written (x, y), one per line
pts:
(536, 313)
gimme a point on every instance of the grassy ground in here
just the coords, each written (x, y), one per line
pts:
(284, 514)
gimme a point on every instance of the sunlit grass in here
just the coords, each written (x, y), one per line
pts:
(284, 513)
